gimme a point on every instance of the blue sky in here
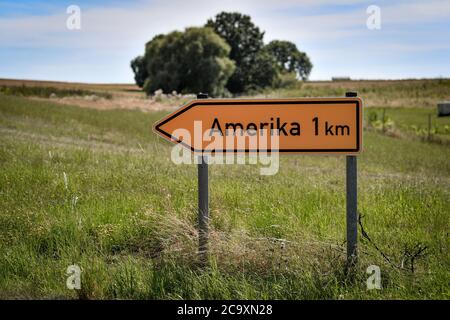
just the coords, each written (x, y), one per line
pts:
(413, 41)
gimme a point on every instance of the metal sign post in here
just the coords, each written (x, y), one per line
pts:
(203, 204)
(352, 205)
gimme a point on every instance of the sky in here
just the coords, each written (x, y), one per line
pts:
(411, 39)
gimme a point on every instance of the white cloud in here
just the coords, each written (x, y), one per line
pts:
(121, 32)
(117, 27)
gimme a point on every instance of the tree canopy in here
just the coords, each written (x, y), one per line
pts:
(289, 58)
(245, 40)
(227, 55)
(191, 61)
(140, 72)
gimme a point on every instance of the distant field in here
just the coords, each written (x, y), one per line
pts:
(376, 93)
(381, 93)
(97, 188)
(96, 96)
(71, 85)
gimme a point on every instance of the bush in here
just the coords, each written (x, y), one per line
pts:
(287, 80)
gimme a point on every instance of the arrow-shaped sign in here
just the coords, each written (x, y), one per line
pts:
(316, 125)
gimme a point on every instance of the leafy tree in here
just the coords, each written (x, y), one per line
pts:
(228, 53)
(245, 40)
(140, 73)
(191, 61)
(289, 58)
(264, 71)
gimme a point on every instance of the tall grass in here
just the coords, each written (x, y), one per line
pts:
(98, 189)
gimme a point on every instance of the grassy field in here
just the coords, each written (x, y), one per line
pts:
(48, 92)
(376, 93)
(101, 87)
(97, 188)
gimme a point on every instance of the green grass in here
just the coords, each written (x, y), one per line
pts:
(424, 93)
(127, 216)
(413, 122)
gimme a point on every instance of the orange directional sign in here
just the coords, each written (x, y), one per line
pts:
(313, 125)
